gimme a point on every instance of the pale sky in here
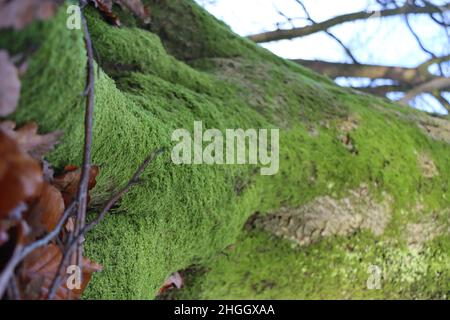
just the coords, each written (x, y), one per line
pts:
(386, 41)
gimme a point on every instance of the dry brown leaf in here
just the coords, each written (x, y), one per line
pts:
(105, 7)
(69, 181)
(174, 281)
(20, 182)
(29, 140)
(9, 84)
(137, 8)
(134, 6)
(19, 13)
(39, 269)
(47, 210)
(20, 176)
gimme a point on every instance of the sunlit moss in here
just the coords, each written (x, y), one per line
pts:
(260, 266)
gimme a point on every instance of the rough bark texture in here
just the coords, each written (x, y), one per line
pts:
(189, 67)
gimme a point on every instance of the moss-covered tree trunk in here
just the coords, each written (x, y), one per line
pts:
(363, 184)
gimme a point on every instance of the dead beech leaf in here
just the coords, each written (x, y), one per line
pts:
(174, 281)
(137, 8)
(105, 7)
(20, 176)
(19, 13)
(47, 210)
(9, 85)
(89, 268)
(39, 269)
(134, 6)
(69, 181)
(29, 140)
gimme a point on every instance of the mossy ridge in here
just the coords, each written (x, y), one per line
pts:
(183, 215)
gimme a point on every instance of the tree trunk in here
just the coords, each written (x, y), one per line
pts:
(363, 184)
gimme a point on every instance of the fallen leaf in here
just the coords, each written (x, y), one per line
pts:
(174, 281)
(69, 181)
(18, 14)
(46, 212)
(137, 8)
(20, 176)
(134, 6)
(29, 140)
(39, 269)
(9, 84)
(105, 7)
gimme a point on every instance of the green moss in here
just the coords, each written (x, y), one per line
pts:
(184, 215)
(263, 267)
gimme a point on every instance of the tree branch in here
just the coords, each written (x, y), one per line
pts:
(83, 188)
(411, 76)
(437, 84)
(438, 96)
(383, 90)
(343, 46)
(414, 81)
(325, 25)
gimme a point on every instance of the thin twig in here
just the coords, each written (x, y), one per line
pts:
(82, 195)
(329, 33)
(70, 246)
(8, 270)
(134, 180)
(327, 24)
(13, 289)
(438, 84)
(420, 44)
(21, 252)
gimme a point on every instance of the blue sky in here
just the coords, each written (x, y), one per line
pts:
(385, 41)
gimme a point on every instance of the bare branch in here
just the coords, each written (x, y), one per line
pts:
(444, 102)
(437, 84)
(343, 46)
(325, 25)
(410, 80)
(412, 76)
(383, 90)
(421, 45)
(82, 195)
